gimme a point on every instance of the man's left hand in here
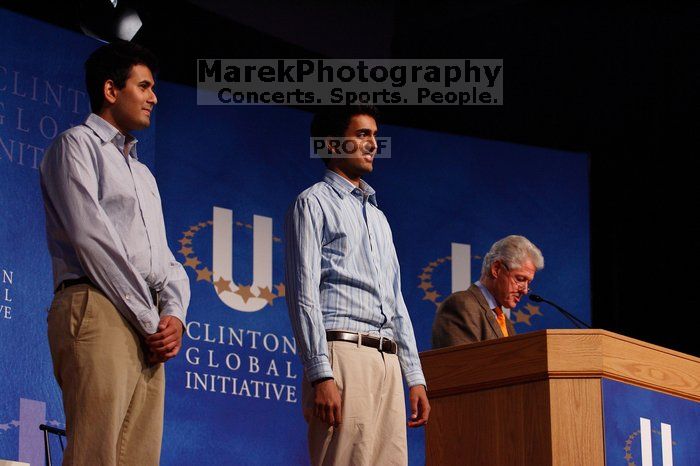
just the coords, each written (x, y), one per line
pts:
(420, 408)
(167, 341)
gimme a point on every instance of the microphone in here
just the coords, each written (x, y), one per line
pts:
(576, 321)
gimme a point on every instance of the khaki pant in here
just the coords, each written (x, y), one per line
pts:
(373, 428)
(112, 399)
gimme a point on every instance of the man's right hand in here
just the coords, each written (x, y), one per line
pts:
(327, 404)
(166, 342)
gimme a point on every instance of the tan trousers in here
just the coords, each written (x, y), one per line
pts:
(373, 428)
(112, 399)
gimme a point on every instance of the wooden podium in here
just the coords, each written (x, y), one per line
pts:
(535, 399)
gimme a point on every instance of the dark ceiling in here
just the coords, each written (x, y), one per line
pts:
(616, 80)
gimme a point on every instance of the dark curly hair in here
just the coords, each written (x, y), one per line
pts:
(113, 62)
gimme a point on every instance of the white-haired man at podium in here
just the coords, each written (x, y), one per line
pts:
(482, 312)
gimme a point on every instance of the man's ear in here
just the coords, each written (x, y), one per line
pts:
(110, 92)
(496, 267)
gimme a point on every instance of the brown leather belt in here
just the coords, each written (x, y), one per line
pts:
(382, 344)
(155, 296)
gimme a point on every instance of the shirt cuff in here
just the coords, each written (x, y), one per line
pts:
(175, 311)
(149, 321)
(318, 368)
(414, 378)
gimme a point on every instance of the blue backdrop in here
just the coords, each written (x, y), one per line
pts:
(233, 393)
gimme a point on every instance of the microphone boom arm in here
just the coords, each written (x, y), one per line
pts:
(575, 320)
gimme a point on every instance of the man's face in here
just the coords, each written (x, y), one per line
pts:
(359, 146)
(511, 284)
(133, 103)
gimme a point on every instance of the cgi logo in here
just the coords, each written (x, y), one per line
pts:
(262, 261)
(645, 434)
(240, 295)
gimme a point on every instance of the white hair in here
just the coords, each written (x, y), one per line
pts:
(512, 250)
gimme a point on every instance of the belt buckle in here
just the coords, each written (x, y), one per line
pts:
(381, 343)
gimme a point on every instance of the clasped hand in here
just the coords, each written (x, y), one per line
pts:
(166, 342)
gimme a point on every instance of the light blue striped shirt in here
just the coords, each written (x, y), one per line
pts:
(104, 220)
(342, 273)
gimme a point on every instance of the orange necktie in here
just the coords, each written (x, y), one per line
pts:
(501, 318)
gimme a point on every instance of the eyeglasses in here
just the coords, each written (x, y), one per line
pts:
(521, 282)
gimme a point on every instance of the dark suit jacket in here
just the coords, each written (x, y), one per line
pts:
(465, 317)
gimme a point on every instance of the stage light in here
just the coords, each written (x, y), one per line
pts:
(108, 20)
(128, 25)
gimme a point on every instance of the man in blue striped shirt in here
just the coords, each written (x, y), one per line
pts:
(348, 314)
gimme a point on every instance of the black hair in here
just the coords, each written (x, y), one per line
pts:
(334, 120)
(113, 62)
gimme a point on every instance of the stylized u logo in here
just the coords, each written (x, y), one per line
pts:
(666, 443)
(461, 266)
(239, 297)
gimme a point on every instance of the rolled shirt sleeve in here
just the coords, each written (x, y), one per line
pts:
(175, 295)
(403, 333)
(303, 232)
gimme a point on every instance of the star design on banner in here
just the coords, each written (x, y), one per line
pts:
(244, 292)
(222, 285)
(267, 295)
(425, 286)
(628, 448)
(534, 310)
(204, 274)
(192, 262)
(426, 277)
(520, 316)
(431, 296)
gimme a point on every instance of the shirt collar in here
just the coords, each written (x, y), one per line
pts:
(490, 299)
(108, 133)
(344, 187)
